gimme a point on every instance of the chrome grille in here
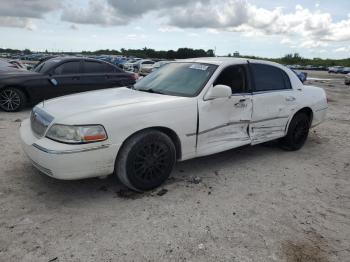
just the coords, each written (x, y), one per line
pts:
(39, 121)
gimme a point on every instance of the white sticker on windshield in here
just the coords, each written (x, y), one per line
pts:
(199, 67)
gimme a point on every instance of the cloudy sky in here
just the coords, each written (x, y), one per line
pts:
(265, 28)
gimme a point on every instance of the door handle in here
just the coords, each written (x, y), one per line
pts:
(75, 78)
(290, 98)
(240, 103)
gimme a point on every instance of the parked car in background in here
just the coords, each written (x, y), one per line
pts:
(129, 65)
(345, 70)
(57, 77)
(301, 75)
(347, 79)
(335, 69)
(6, 65)
(186, 109)
(17, 64)
(144, 67)
(159, 64)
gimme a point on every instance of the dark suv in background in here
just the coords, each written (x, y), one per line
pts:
(57, 77)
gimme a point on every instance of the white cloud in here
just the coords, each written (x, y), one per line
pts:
(286, 40)
(19, 22)
(28, 8)
(193, 34)
(342, 49)
(169, 29)
(310, 28)
(213, 31)
(310, 44)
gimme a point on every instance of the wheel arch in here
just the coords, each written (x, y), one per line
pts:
(168, 131)
(307, 110)
(20, 87)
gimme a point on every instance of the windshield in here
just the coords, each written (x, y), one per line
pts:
(179, 79)
(44, 66)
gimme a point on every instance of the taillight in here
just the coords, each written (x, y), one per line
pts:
(134, 76)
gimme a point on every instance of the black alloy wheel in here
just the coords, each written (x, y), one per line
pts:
(146, 160)
(297, 134)
(12, 99)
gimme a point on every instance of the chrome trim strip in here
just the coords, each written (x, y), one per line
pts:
(268, 119)
(224, 125)
(42, 169)
(272, 91)
(63, 152)
(235, 123)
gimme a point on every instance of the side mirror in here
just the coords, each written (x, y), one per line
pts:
(53, 81)
(218, 91)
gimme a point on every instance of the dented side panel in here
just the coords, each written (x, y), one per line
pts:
(271, 113)
(223, 124)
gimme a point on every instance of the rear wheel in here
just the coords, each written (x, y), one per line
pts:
(146, 160)
(297, 134)
(12, 99)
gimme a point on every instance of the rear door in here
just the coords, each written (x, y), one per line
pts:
(94, 75)
(274, 100)
(223, 122)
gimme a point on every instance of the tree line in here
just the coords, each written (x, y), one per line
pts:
(182, 53)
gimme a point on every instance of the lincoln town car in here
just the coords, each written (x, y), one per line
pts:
(183, 110)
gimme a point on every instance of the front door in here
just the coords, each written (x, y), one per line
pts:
(66, 79)
(223, 122)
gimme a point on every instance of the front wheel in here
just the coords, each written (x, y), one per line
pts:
(297, 134)
(145, 160)
(12, 99)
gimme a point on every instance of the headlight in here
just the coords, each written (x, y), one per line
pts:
(77, 134)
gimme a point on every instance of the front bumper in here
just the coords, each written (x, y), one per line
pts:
(67, 162)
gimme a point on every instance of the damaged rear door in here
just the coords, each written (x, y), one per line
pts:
(273, 102)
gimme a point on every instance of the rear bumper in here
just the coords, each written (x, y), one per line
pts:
(319, 116)
(67, 162)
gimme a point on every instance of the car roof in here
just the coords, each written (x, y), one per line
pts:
(73, 58)
(227, 61)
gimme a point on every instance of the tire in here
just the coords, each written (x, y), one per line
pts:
(12, 99)
(146, 160)
(297, 134)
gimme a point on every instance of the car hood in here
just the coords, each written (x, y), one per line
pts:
(15, 73)
(105, 99)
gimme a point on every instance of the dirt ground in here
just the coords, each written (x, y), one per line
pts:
(249, 204)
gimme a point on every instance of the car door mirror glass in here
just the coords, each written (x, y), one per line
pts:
(218, 91)
(53, 81)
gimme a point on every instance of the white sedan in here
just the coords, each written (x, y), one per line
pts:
(184, 110)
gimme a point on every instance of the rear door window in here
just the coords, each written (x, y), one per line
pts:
(269, 78)
(92, 67)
